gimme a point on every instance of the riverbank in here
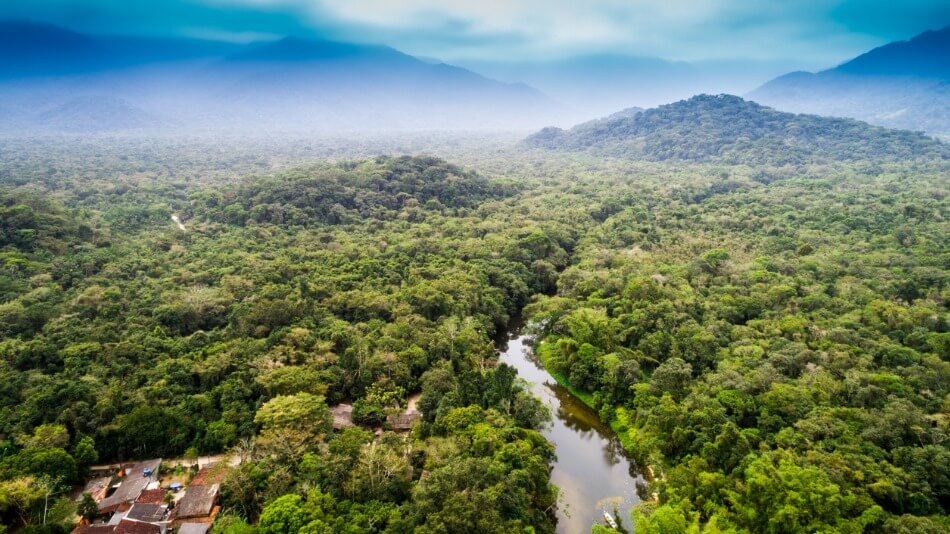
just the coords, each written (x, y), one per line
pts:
(617, 424)
(592, 469)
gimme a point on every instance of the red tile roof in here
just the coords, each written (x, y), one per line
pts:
(212, 474)
(152, 496)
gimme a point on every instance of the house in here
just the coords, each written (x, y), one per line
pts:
(98, 487)
(138, 527)
(94, 529)
(147, 513)
(403, 421)
(342, 416)
(194, 528)
(152, 496)
(198, 501)
(210, 474)
(131, 485)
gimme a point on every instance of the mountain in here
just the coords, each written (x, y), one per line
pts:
(30, 49)
(903, 84)
(594, 85)
(728, 129)
(56, 78)
(925, 56)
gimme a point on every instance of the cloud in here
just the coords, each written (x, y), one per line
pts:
(814, 32)
(228, 36)
(819, 31)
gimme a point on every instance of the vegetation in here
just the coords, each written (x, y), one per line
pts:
(778, 352)
(728, 129)
(772, 339)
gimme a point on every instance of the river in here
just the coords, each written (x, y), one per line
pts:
(591, 469)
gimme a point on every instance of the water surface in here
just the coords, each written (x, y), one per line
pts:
(591, 469)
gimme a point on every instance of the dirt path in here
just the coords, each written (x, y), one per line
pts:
(178, 222)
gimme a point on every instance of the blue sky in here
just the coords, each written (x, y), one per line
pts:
(808, 32)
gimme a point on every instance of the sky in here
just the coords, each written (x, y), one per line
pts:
(819, 33)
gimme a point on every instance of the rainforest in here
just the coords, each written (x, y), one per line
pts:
(768, 339)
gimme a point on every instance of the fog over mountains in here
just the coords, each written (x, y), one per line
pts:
(904, 84)
(53, 79)
(597, 85)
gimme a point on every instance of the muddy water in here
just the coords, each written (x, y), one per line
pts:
(591, 469)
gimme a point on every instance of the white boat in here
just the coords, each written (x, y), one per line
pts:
(610, 519)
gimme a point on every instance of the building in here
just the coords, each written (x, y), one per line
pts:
(403, 421)
(131, 485)
(94, 529)
(98, 487)
(194, 528)
(342, 416)
(152, 496)
(147, 512)
(199, 501)
(138, 527)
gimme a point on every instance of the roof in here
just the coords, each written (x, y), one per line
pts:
(198, 501)
(150, 513)
(403, 421)
(210, 474)
(193, 528)
(153, 496)
(137, 527)
(132, 485)
(94, 529)
(342, 415)
(95, 485)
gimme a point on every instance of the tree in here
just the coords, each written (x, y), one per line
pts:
(672, 376)
(88, 509)
(47, 437)
(84, 452)
(284, 515)
(20, 496)
(293, 424)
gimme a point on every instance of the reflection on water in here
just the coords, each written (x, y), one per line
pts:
(591, 469)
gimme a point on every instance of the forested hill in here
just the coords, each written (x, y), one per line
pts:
(728, 129)
(350, 192)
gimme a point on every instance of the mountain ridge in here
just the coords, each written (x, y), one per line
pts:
(291, 84)
(729, 129)
(903, 84)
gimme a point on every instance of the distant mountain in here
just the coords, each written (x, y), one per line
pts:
(30, 49)
(904, 84)
(925, 56)
(593, 85)
(291, 84)
(728, 129)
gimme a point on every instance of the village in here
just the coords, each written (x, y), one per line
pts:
(182, 495)
(149, 497)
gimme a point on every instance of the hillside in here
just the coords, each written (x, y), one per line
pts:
(902, 85)
(726, 128)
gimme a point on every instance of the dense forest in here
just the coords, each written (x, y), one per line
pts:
(728, 129)
(769, 337)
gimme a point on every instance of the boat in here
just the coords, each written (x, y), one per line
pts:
(609, 519)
